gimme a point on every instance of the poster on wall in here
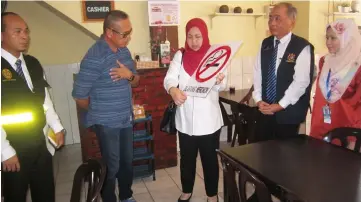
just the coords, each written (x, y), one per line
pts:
(163, 13)
(214, 62)
(96, 10)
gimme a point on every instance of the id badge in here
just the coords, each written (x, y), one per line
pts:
(326, 114)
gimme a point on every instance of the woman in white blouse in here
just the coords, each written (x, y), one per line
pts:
(198, 120)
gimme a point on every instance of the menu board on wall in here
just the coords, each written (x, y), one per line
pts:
(164, 13)
(96, 10)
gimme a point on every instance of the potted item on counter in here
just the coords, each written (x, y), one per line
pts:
(346, 7)
(156, 39)
(339, 8)
(164, 54)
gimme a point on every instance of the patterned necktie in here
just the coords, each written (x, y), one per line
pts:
(271, 77)
(19, 69)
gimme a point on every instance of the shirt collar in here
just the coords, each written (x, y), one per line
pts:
(284, 39)
(10, 58)
(106, 45)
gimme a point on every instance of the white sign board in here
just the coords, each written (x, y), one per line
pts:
(163, 13)
(214, 62)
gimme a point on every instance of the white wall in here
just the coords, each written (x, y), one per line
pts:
(60, 78)
(53, 40)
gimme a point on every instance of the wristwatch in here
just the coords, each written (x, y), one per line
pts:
(131, 78)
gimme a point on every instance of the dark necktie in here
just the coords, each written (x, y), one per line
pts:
(271, 77)
(19, 69)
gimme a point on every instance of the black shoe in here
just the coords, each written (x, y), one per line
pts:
(185, 200)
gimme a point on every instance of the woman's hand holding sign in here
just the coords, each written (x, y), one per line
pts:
(219, 78)
(178, 96)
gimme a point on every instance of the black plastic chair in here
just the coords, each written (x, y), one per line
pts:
(93, 171)
(236, 193)
(342, 134)
(243, 123)
(228, 120)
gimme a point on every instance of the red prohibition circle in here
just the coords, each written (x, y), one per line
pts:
(199, 72)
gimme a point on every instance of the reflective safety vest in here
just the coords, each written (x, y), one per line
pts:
(18, 118)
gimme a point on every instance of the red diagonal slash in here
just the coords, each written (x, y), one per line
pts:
(227, 54)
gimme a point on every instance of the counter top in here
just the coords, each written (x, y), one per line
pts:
(153, 68)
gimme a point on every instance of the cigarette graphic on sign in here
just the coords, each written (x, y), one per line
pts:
(211, 61)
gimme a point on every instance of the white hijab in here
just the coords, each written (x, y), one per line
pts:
(345, 63)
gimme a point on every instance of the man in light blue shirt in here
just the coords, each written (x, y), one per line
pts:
(103, 87)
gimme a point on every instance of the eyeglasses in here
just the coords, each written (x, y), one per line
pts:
(124, 34)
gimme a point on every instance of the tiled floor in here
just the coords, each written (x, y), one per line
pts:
(166, 188)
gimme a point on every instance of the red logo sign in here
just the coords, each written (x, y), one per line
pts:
(211, 61)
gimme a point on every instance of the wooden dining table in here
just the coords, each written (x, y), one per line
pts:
(311, 169)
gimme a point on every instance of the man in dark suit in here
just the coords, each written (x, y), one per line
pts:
(282, 77)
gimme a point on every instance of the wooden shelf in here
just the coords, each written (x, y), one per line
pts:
(335, 15)
(347, 14)
(255, 15)
(238, 14)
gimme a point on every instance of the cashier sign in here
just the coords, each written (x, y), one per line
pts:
(214, 62)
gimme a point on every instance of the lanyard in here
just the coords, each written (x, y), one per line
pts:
(328, 88)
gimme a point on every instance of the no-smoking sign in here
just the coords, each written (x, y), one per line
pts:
(217, 58)
(214, 62)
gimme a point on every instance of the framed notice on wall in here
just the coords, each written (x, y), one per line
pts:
(96, 10)
(164, 13)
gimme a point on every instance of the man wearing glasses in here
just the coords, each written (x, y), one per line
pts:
(103, 87)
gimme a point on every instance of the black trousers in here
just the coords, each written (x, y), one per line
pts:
(36, 170)
(207, 146)
(267, 128)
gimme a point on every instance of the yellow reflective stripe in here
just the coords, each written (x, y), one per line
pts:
(16, 118)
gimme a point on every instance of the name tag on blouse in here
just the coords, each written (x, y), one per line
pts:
(326, 114)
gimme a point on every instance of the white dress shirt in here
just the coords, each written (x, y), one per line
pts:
(52, 118)
(196, 116)
(301, 77)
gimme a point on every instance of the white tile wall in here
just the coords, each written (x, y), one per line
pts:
(248, 64)
(235, 73)
(60, 78)
(240, 72)
(247, 81)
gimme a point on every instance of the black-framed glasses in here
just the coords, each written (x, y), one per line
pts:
(124, 34)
